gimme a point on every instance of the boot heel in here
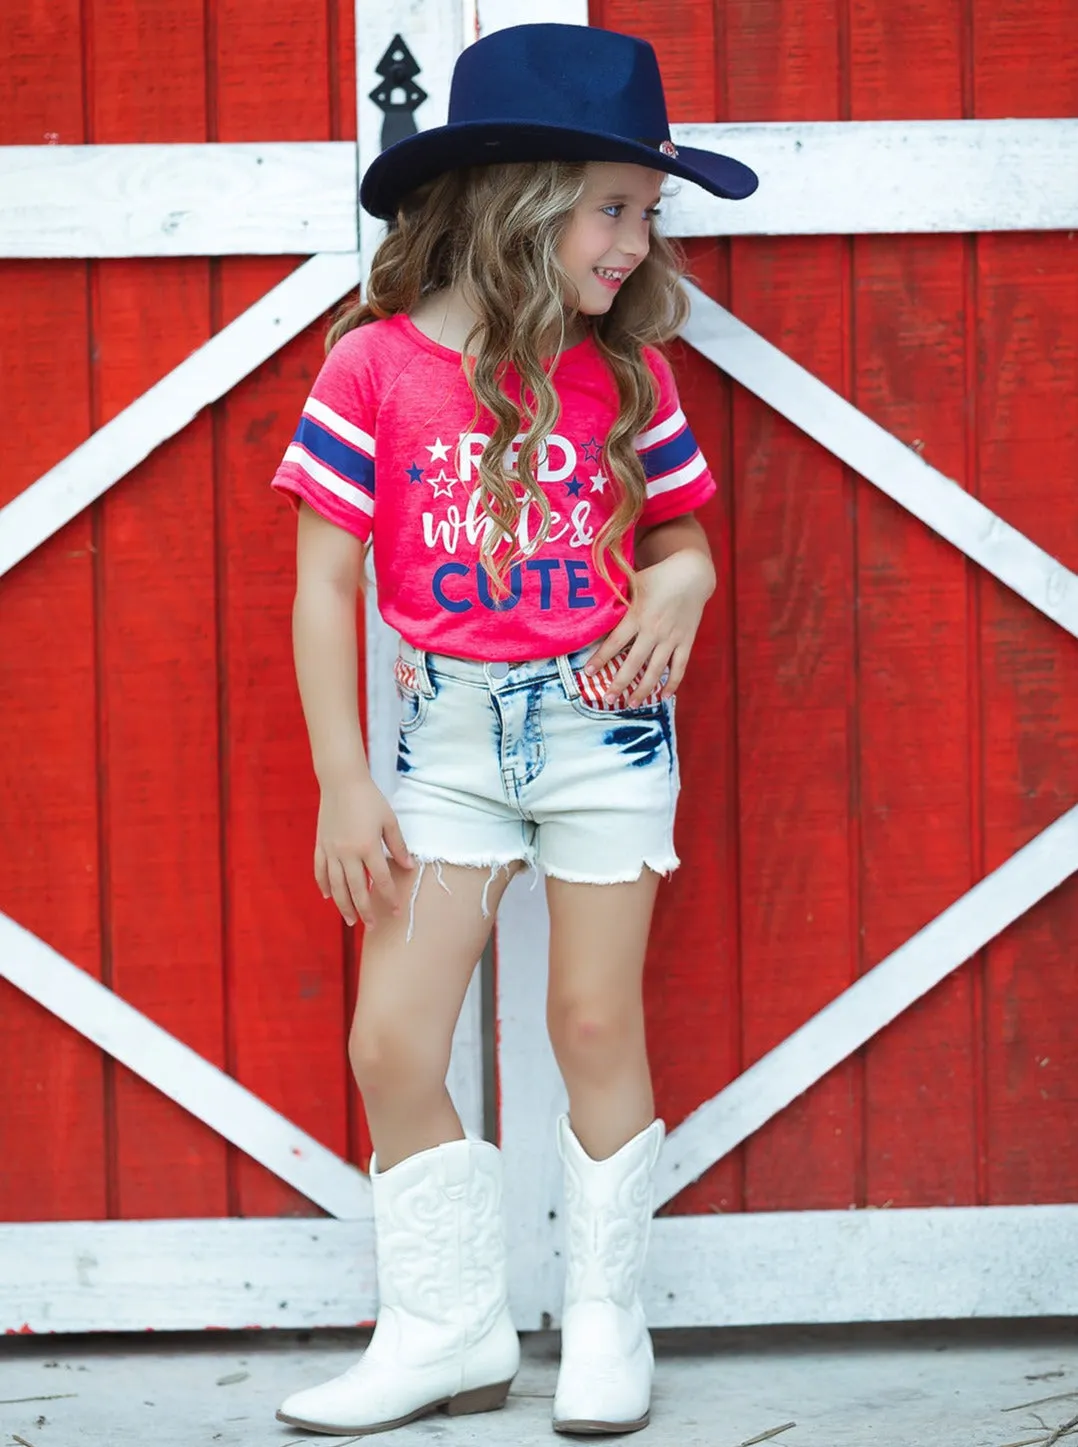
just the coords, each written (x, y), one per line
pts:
(479, 1399)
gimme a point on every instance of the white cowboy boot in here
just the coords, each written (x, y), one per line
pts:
(604, 1384)
(444, 1337)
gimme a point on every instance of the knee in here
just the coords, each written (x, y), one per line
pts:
(591, 1038)
(389, 1059)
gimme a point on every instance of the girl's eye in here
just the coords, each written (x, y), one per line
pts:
(617, 208)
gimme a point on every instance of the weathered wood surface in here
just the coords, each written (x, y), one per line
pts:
(179, 199)
(762, 1268)
(298, 198)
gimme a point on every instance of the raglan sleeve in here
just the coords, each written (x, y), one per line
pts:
(678, 478)
(329, 463)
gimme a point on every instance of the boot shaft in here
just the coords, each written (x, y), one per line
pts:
(440, 1234)
(608, 1216)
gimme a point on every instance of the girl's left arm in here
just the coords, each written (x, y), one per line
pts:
(682, 534)
(675, 578)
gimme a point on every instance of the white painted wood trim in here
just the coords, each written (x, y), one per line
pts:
(186, 1275)
(805, 1267)
(880, 457)
(296, 198)
(532, 1094)
(860, 1012)
(434, 32)
(845, 178)
(531, 1098)
(492, 15)
(110, 453)
(948, 1263)
(299, 198)
(182, 1074)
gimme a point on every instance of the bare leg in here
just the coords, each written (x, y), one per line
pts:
(595, 1013)
(410, 996)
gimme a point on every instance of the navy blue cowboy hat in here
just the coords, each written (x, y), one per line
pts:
(551, 93)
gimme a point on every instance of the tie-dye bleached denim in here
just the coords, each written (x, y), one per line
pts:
(500, 762)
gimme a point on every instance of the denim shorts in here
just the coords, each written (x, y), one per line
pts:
(500, 762)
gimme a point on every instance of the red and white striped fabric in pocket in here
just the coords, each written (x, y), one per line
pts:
(595, 687)
(406, 675)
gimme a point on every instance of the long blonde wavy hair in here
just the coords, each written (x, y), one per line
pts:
(494, 231)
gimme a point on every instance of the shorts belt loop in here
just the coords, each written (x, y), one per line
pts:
(423, 673)
(568, 678)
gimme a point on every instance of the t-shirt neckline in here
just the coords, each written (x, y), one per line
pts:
(428, 344)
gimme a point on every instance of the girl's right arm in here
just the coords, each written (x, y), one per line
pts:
(353, 817)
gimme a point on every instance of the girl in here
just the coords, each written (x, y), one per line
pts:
(496, 417)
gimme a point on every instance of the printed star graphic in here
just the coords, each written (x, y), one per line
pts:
(439, 452)
(415, 474)
(592, 449)
(598, 482)
(574, 488)
(447, 484)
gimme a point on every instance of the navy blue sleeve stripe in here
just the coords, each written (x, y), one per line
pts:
(336, 454)
(669, 456)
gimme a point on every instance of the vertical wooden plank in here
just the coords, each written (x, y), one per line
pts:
(341, 39)
(794, 555)
(691, 983)
(434, 35)
(913, 674)
(52, 1132)
(1027, 406)
(284, 955)
(158, 635)
(529, 1090)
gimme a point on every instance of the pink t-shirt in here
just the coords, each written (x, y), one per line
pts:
(387, 446)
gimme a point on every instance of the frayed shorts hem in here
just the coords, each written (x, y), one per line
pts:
(437, 862)
(495, 865)
(630, 876)
(664, 868)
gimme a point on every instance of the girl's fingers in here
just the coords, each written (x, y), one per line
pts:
(678, 665)
(396, 845)
(652, 677)
(613, 644)
(381, 879)
(342, 897)
(356, 877)
(636, 660)
(321, 871)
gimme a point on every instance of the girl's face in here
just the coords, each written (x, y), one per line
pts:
(610, 231)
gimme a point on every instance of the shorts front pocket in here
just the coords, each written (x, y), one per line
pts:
(594, 688)
(413, 703)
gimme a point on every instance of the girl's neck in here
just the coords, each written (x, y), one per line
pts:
(447, 317)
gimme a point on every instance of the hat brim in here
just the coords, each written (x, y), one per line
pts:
(417, 159)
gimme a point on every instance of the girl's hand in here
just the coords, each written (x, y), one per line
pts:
(661, 626)
(354, 819)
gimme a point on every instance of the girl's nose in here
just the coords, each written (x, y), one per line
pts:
(635, 240)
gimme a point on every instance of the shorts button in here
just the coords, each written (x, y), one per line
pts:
(499, 670)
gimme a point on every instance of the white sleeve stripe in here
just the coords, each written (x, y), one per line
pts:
(348, 431)
(673, 424)
(685, 474)
(324, 477)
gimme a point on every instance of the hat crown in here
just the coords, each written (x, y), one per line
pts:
(561, 75)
